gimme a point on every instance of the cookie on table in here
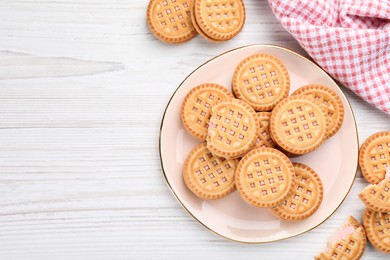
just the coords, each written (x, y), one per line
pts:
(377, 226)
(170, 20)
(377, 196)
(349, 242)
(263, 133)
(265, 177)
(306, 196)
(298, 125)
(218, 20)
(261, 80)
(374, 157)
(329, 100)
(209, 176)
(233, 128)
(195, 110)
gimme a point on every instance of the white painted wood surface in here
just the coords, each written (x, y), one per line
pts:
(83, 86)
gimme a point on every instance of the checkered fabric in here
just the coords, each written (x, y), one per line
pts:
(350, 39)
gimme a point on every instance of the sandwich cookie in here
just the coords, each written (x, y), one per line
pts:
(195, 110)
(170, 20)
(298, 125)
(209, 176)
(349, 242)
(374, 157)
(233, 128)
(265, 177)
(329, 100)
(306, 197)
(261, 80)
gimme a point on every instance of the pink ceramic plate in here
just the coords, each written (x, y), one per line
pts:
(231, 217)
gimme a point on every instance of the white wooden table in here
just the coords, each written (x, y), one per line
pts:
(83, 86)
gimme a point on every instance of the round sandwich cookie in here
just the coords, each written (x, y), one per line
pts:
(195, 110)
(208, 176)
(263, 133)
(306, 196)
(233, 128)
(374, 157)
(170, 20)
(377, 196)
(377, 226)
(219, 20)
(261, 80)
(265, 177)
(298, 125)
(348, 242)
(329, 100)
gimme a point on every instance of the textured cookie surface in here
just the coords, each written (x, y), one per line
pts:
(329, 100)
(374, 157)
(377, 196)
(232, 131)
(306, 196)
(195, 110)
(298, 125)
(349, 242)
(265, 177)
(170, 20)
(220, 20)
(263, 133)
(209, 176)
(262, 81)
(377, 225)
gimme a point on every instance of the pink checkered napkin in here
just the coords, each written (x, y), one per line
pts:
(350, 39)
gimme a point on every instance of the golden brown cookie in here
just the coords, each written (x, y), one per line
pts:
(219, 20)
(298, 125)
(329, 100)
(306, 196)
(195, 110)
(170, 20)
(377, 225)
(265, 177)
(377, 196)
(196, 26)
(374, 157)
(263, 133)
(232, 131)
(349, 242)
(261, 80)
(209, 176)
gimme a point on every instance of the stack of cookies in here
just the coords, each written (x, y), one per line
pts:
(249, 135)
(374, 160)
(349, 242)
(177, 21)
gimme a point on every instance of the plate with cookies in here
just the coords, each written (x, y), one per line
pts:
(259, 144)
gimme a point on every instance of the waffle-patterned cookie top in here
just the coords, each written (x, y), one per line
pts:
(170, 20)
(264, 177)
(298, 125)
(263, 133)
(232, 131)
(262, 81)
(329, 100)
(377, 196)
(195, 110)
(207, 175)
(306, 196)
(377, 225)
(220, 19)
(374, 157)
(351, 246)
